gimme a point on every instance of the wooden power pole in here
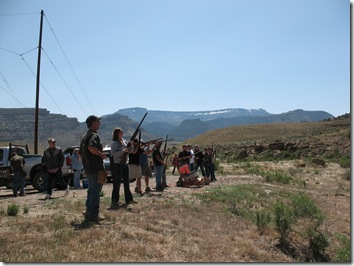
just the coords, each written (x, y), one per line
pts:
(37, 86)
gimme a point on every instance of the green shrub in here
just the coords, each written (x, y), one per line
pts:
(263, 219)
(344, 251)
(284, 219)
(12, 210)
(318, 244)
(25, 209)
(305, 207)
(344, 162)
(277, 176)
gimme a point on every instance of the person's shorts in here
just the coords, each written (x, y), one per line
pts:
(146, 170)
(134, 171)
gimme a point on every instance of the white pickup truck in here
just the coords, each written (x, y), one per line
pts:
(33, 166)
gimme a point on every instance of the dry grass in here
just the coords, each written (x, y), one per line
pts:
(174, 226)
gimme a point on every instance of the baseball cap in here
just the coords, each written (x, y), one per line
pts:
(92, 118)
(51, 140)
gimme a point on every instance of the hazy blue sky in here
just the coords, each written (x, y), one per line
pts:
(176, 55)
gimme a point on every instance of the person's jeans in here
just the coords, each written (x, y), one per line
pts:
(201, 168)
(59, 178)
(191, 167)
(158, 174)
(18, 180)
(45, 181)
(121, 171)
(207, 170)
(77, 174)
(212, 172)
(93, 196)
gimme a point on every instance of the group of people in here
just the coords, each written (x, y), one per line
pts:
(129, 159)
(192, 160)
(52, 163)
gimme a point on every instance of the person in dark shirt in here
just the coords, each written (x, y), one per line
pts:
(91, 150)
(17, 163)
(134, 166)
(53, 159)
(159, 165)
(183, 158)
(199, 160)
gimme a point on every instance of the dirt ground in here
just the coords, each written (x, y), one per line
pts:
(327, 185)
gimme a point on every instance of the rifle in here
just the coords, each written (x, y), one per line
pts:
(152, 141)
(213, 153)
(139, 138)
(125, 155)
(165, 156)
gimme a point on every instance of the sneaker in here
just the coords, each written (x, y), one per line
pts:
(147, 189)
(136, 190)
(67, 191)
(22, 194)
(48, 196)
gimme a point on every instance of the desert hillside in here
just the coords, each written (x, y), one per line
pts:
(282, 194)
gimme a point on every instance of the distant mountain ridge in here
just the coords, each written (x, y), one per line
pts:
(175, 117)
(183, 125)
(17, 124)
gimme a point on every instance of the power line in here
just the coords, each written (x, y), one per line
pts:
(67, 60)
(65, 83)
(71, 68)
(10, 91)
(45, 89)
(17, 14)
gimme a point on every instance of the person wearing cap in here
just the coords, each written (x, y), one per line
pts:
(91, 150)
(159, 165)
(53, 160)
(76, 165)
(17, 163)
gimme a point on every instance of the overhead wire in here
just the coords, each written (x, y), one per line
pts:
(18, 14)
(28, 66)
(45, 89)
(56, 69)
(65, 83)
(10, 91)
(71, 68)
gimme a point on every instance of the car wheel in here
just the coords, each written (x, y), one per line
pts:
(38, 181)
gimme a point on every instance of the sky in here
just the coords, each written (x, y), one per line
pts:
(176, 55)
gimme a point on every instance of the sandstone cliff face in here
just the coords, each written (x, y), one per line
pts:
(17, 126)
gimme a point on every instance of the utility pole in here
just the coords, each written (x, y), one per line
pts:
(37, 86)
